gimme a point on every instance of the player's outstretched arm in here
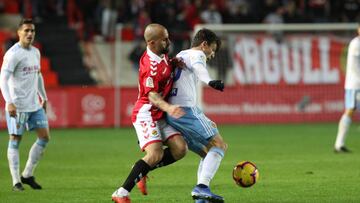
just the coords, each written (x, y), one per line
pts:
(173, 110)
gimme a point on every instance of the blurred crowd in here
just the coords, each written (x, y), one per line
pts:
(179, 16)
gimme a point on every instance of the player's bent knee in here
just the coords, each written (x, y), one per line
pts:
(153, 157)
(43, 133)
(218, 142)
(178, 147)
(180, 152)
(15, 137)
(225, 146)
(349, 112)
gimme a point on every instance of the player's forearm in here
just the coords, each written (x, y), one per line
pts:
(41, 88)
(158, 101)
(5, 90)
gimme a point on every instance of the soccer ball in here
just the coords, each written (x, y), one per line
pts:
(245, 174)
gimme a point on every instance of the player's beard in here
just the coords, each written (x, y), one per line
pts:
(165, 50)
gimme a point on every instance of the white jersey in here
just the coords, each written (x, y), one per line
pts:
(186, 80)
(24, 66)
(353, 65)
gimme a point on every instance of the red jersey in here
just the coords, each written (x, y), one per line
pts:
(155, 74)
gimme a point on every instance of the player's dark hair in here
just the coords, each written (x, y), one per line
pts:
(25, 21)
(208, 36)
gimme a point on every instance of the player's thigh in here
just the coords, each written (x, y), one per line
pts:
(197, 129)
(352, 99)
(16, 125)
(173, 140)
(170, 135)
(148, 132)
(198, 126)
(37, 119)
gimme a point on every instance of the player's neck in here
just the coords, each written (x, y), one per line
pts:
(24, 45)
(197, 48)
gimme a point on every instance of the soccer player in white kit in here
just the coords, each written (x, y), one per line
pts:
(200, 133)
(21, 85)
(352, 92)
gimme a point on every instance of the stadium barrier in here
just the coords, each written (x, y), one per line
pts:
(95, 107)
(298, 77)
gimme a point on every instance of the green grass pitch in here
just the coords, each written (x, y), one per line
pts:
(296, 164)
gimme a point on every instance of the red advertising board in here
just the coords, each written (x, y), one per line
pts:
(299, 79)
(79, 107)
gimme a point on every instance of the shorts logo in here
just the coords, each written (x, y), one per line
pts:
(154, 133)
(213, 124)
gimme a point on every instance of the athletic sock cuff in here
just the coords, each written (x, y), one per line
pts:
(42, 142)
(14, 144)
(218, 151)
(142, 164)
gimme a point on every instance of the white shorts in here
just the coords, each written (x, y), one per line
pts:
(153, 131)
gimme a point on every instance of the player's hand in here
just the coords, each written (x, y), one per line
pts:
(12, 109)
(44, 105)
(177, 62)
(175, 111)
(217, 84)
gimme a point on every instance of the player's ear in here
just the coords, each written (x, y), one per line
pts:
(204, 43)
(151, 42)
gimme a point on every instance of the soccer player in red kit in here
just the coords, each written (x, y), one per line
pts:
(155, 83)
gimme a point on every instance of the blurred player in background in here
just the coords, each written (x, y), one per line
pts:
(155, 82)
(21, 86)
(352, 92)
(200, 133)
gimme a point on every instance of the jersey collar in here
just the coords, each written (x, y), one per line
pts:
(155, 57)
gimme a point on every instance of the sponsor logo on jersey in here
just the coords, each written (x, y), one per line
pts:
(149, 82)
(174, 92)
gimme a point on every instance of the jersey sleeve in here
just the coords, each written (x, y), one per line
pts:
(9, 62)
(150, 80)
(354, 48)
(38, 55)
(198, 64)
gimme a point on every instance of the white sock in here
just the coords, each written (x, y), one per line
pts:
(210, 165)
(199, 169)
(14, 164)
(35, 154)
(344, 126)
(121, 192)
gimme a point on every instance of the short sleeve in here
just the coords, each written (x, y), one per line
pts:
(150, 80)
